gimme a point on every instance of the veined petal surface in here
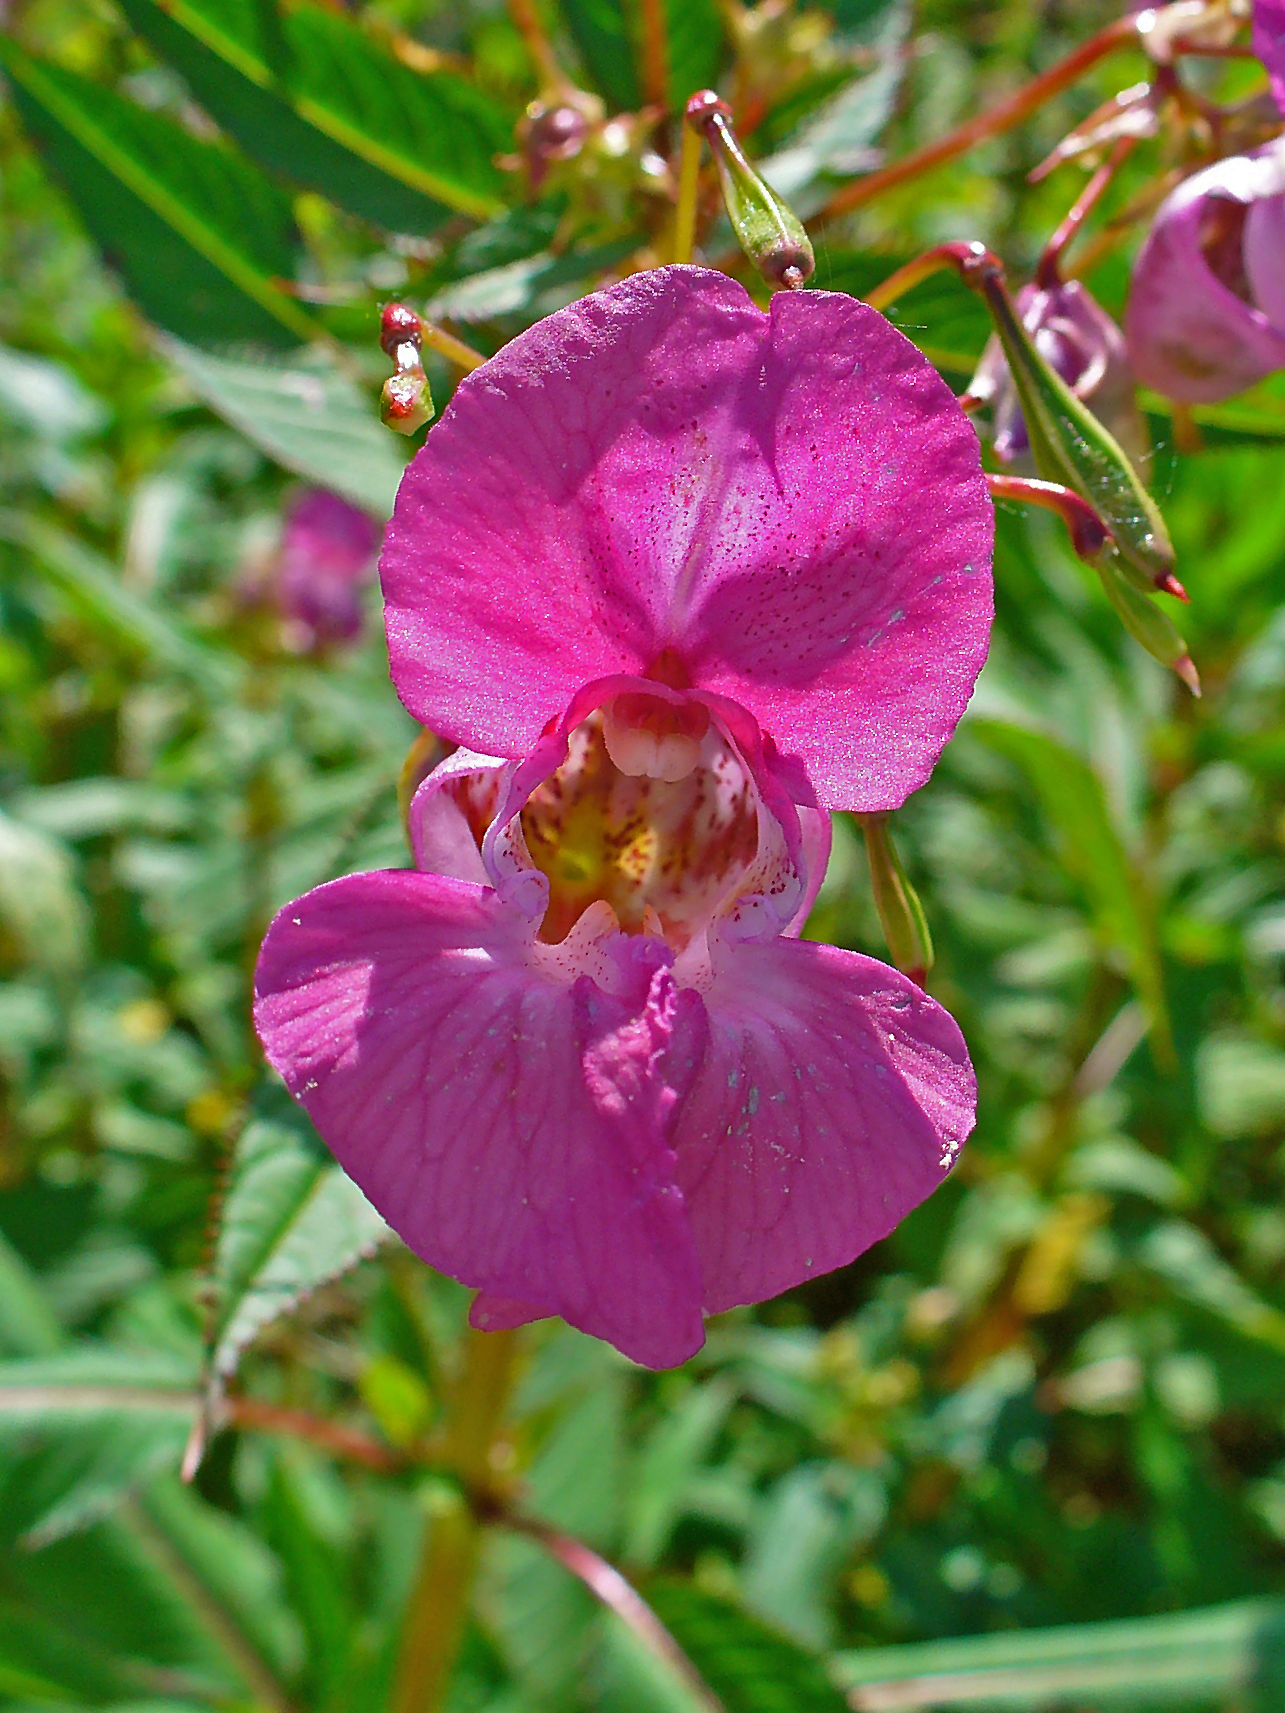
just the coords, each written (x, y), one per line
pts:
(510, 1122)
(832, 1099)
(790, 504)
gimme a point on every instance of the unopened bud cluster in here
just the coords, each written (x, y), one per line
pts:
(406, 402)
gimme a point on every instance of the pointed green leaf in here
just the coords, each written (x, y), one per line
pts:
(198, 234)
(749, 1667)
(291, 1222)
(308, 416)
(1218, 1656)
(1075, 804)
(81, 1428)
(309, 94)
(603, 36)
(695, 47)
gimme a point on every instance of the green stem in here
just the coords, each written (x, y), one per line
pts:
(688, 190)
(438, 1608)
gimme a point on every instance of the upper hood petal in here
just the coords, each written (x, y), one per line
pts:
(791, 503)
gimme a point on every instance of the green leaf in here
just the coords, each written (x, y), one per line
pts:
(42, 910)
(669, 1460)
(694, 40)
(292, 1221)
(83, 1427)
(603, 37)
(92, 587)
(1220, 1656)
(949, 326)
(28, 1325)
(306, 415)
(198, 234)
(311, 95)
(1093, 853)
(749, 1667)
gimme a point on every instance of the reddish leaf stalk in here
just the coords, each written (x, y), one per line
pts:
(1089, 535)
(654, 54)
(1048, 273)
(618, 1595)
(1018, 106)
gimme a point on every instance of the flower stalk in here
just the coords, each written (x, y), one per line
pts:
(438, 1607)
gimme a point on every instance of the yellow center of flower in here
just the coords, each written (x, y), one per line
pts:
(652, 813)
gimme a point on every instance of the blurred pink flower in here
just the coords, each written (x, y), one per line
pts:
(1080, 341)
(578, 1057)
(1206, 314)
(1269, 43)
(327, 553)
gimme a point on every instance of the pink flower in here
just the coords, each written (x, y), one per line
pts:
(1079, 340)
(682, 576)
(327, 552)
(1269, 43)
(1206, 314)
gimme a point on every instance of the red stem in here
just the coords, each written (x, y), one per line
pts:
(1002, 118)
(607, 1585)
(298, 1424)
(1048, 273)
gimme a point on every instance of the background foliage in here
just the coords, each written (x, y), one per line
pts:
(1055, 1397)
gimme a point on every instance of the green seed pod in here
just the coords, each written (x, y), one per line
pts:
(905, 927)
(768, 230)
(1071, 446)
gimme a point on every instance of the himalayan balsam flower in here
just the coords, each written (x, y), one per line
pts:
(678, 577)
(1206, 315)
(1079, 340)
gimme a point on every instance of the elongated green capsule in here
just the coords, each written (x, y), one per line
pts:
(768, 229)
(1071, 446)
(905, 927)
(1144, 620)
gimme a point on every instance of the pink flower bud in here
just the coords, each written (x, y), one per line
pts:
(1206, 315)
(1269, 43)
(327, 552)
(1081, 343)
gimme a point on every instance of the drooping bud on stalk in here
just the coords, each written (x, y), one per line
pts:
(406, 403)
(1071, 446)
(1145, 622)
(768, 230)
(905, 927)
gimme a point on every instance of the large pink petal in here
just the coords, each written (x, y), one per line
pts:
(833, 1097)
(791, 502)
(510, 1126)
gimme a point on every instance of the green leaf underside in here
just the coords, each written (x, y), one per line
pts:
(749, 1667)
(309, 418)
(310, 95)
(1176, 1660)
(80, 1428)
(292, 1221)
(1075, 804)
(198, 234)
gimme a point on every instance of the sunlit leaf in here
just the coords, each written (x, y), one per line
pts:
(199, 235)
(307, 415)
(82, 1427)
(1094, 854)
(291, 1221)
(1181, 1660)
(310, 94)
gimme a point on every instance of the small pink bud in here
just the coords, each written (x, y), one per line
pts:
(1206, 315)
